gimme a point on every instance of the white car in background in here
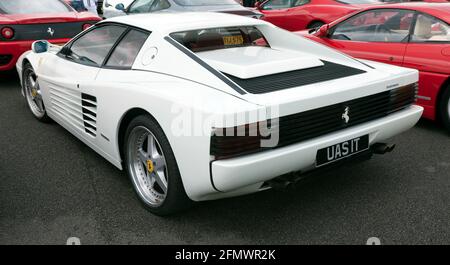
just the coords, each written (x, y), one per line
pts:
(110, 10)
(202, 106)
(121, 8)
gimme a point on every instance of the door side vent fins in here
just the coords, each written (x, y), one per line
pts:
(89, 106)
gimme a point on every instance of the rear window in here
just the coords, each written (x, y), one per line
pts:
(220, 38)
(33, 6)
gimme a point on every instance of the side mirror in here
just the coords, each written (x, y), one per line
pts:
(323, 31)
(40, 46)
(120, 7)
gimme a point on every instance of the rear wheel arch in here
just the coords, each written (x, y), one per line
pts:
(124, 122)
(25, 61)
(177, 199)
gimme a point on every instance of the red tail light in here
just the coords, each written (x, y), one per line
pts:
(7, 33)
(86, 26)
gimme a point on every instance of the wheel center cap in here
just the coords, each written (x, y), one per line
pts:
(150, 166)
(33, 93)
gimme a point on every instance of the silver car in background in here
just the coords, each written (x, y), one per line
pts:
(113, 8)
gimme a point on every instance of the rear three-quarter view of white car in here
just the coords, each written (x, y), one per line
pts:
(203, 106)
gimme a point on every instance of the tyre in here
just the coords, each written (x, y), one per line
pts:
(315, 24)
(33, 94)
(444, 108)
(152, 168)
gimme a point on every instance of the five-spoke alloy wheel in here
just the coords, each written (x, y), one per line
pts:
(148, 166)
(33, 93)
(152, 167)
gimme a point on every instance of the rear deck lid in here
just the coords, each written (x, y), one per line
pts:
(251, 62)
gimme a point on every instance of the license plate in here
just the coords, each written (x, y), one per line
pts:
(342, 150)
(233, 40)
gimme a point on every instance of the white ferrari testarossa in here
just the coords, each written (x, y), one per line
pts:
(202, 106)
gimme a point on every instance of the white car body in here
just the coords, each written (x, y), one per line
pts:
(165, 75)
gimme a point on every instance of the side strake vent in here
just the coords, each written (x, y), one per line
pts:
(276, 82)
(89, 105)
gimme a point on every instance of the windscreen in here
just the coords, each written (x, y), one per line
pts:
(220, 38)
(33, 6)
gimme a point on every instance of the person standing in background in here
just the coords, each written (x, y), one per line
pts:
(91, 6)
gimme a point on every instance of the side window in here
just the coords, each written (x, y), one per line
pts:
(160, 5)
(277, 4)
(93, 47)
(383, 25)
(141, 6)
(126, 52)
(430, 29)
(300, 3)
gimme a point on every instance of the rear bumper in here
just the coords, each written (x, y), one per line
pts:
(231, 174)
(14, 49)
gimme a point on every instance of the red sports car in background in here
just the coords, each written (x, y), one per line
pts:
(24, 21)
(294, 15)
(414, 35)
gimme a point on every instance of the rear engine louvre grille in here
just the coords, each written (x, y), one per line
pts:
(314, 123)
(270, 83)
(89, 105)
(5, 59)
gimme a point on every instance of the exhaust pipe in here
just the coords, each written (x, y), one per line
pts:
(382, 148)
(285, 181)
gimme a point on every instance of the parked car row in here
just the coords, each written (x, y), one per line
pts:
(413, 35)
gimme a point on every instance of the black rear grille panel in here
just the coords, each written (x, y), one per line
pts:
(270, 83)
(318, 122)
(44, 31)
(5, 59)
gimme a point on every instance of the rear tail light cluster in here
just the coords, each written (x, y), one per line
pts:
(7, 33)
(86, 26)
(241, 140)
